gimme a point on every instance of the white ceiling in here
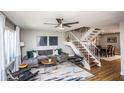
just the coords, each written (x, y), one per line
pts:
(33, 20)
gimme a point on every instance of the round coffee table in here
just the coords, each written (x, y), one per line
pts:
(23, 66)
(47, 63)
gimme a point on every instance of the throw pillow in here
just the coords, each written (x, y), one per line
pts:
(55, 52)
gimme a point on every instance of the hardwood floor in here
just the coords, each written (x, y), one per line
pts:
(109, 71)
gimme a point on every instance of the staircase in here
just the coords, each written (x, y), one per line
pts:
(91, 34)
(87, 48)
(87, 54)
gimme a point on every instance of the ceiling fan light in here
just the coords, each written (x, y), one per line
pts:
(61, 28)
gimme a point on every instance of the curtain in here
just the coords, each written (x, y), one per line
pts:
(18, 51)
(2, 47)
(10, 45)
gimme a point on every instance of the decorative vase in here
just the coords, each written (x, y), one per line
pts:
(49, 60)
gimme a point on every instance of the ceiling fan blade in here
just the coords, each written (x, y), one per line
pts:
(56, 26)
(67, 25)
(50, 24)
(70, 23)
(59, 20)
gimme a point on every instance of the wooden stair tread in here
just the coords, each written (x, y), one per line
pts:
(86, 55)
(92, 34)
(77, 44)
(82, 48)
(92, 64)
(95, 31)
(90, 59)
(84, 51)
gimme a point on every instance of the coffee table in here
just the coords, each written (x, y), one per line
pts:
(47, 63)
(23, 66)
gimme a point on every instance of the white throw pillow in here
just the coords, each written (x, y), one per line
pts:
(55, 52)
(34, 54)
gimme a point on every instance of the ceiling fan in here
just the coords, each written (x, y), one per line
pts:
(60, 24)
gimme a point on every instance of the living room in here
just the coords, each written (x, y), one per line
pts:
(65, 52)
(35, 31)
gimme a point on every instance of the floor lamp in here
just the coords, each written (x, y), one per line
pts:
(22, 44)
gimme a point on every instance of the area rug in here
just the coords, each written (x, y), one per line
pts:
(116, 57)
(66, 71)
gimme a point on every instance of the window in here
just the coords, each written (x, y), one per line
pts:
(45, 40)
(53, 40)
(42, 41)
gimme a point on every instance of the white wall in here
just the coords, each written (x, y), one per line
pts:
(122, 46)
(29, 38)
(111, 28)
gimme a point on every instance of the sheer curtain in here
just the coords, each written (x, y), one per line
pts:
(10, 45)
(18, 50)
(2, 47)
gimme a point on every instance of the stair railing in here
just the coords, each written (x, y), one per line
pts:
(86, 58)
(93, 49)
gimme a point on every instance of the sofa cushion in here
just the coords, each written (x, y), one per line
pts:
(41, 57)
(31, 62)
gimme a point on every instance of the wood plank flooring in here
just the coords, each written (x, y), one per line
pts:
(109, 71)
